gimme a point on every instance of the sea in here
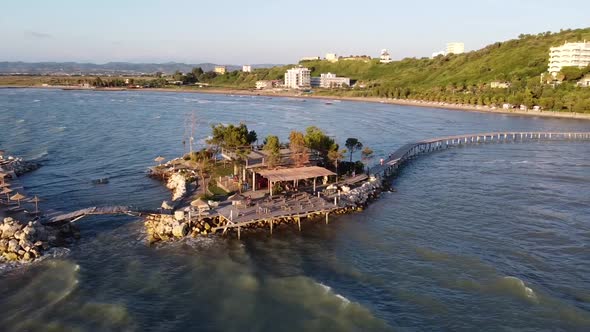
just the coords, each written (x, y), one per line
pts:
(487, 237)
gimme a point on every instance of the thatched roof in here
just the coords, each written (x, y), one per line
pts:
(236, 197)
(199, 203)
(291, 174)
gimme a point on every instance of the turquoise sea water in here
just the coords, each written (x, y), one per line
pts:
(489, 237)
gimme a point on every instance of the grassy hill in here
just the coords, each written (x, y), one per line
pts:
(462, 78)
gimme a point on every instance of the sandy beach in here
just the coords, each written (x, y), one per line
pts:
(292, 94)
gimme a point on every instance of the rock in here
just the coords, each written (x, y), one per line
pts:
(27, 256)
(21, 253)
(207, 226)
(3, 245)
(177, 183)
(10, 256)
(180, 230)
(13, 246)
(9, 229)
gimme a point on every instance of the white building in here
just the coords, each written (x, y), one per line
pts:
(220, 70)
(247, 68)
(297, 78)
(332, 57)
(584, 82)
(329, 81)
(569, 55)
(455, 48)
(262, 85)
(385, 57)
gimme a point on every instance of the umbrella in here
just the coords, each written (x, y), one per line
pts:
(159, 159)
(2, 176)
(6, 191)
(17, 197)
(4, 185)
(200, 204)
(36, 200)
(166, 205)
(236, 197)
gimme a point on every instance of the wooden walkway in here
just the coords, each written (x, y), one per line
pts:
(60, 219)
(412, 150)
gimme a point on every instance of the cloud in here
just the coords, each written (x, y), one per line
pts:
(37, 35)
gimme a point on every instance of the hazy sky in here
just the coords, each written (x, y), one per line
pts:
(257, 31)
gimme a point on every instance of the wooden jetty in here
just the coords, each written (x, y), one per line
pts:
(411, 150)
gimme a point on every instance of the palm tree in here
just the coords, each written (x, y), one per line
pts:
(353, 145)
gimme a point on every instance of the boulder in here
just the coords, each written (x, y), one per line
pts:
(10, 256)
(13, 246)
(180, 230)
(177, 183)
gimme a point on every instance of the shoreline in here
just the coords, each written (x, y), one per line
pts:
(290, 94)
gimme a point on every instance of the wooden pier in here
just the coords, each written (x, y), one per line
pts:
(411, 150)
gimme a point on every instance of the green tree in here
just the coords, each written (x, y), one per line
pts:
(366, 156)
(272, 147)
(335, 156)
(236, 139)
(316, 140)
(299, 152)
(353, 145)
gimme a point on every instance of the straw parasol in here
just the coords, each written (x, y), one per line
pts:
(200, 204)
(6, 191)
(2, 176)
(17, 197)
(36, 200)
(159, 159)
(236, 198)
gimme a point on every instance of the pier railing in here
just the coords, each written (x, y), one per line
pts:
(397, 159)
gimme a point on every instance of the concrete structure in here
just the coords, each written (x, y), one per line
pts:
(499, 85)
(455, 48)
(385, 57)
(247, 68)
(267, 84)
(298, 78)
(569, 55)
(310, 58)
(220, 70)
(329, 81)
(584, 82)
(332, 57)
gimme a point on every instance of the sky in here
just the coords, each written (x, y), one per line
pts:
(257, 31)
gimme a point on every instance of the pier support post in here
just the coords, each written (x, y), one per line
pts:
(326, 218)
(271, 222)
(238, 232)
(299, 223)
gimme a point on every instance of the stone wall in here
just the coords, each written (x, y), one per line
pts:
(162, 227)
(28, 241)
(20, 166)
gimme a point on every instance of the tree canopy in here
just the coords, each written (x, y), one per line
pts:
(353, 144)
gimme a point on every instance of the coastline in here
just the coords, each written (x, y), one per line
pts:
(290, 94)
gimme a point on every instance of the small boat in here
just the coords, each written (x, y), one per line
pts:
(328, 103)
